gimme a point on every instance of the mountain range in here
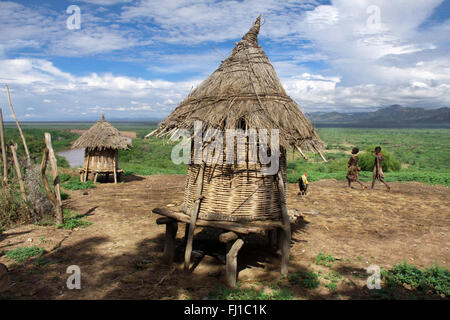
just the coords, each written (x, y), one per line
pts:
(394, 116)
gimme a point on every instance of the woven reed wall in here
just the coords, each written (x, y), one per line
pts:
(235, 192)
(101, 160)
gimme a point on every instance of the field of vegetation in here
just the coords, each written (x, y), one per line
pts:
(420, 155)
(410, 155)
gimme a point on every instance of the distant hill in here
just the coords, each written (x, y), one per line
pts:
(394, 116)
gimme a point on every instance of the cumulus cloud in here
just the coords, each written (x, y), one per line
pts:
(343, 55)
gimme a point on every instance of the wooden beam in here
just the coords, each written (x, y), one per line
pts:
(54, 166)
(258, 227)
(301, 153)
(193, 220)
(20, 179)
(20, 129)
(228, 237)
(286, 228)
(3, 145)
(232, 262)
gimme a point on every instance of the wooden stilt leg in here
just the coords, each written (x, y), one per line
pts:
(273, 239)
(169, 244)
(232, 262)
(186, 233)
(115, 172)
(286, 229)
(95, 177)
(194, 214)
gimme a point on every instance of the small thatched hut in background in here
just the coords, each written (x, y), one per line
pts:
(243, 93)
(101, 143)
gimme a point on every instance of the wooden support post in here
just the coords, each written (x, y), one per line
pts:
(95, 177)
(86, 170)
(273, 239)
(186, 234)
(170, 241)
(3, 145)
(45, 183)
(19, 178)
(115, 171)
(20, 129)
(54, 166)
(286, 227)
(194, 214)
(301, 152)
(232, 262)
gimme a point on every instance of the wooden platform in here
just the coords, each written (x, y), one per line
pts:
(232, 235)
(85, 175)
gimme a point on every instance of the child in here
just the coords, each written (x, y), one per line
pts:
(378, 170)
(303, 184)
(353, 169)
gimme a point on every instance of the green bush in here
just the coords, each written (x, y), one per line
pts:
(24, 253)
(367, 160)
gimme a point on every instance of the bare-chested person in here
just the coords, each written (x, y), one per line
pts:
(378, 170)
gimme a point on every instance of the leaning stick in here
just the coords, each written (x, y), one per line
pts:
(286, 228)
(19, 177)
(194, 213)
(20, 129)
(54, 166)
(320, 153)
(2, 140)
(301, 152)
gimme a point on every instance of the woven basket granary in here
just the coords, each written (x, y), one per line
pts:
(243, 93)
(101, 143)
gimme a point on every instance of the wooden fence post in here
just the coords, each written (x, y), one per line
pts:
(20, 129)
(20, 179)
(2, 141)
(54, 166)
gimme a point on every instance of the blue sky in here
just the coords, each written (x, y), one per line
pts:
(139, 59)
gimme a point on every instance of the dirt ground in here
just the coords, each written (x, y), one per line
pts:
(120, 253)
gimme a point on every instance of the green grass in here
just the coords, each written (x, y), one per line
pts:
(238, 293)
(309, 280)
(24, 253)
(73, 220)
(324, 260)
(75, 184)
(435, 280)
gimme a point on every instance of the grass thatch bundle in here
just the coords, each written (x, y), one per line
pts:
(245, 86)
(102, 135)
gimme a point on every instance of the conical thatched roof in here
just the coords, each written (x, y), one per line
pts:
(102, 135)
(245, 86)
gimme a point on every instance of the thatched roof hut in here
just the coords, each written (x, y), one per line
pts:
(245, 86)
(243, 93)
(101, 143)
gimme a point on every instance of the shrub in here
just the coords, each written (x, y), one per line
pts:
(367, 160)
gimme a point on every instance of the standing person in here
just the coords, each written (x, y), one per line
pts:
(378, 170)
(353, 169)
(303, 184)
